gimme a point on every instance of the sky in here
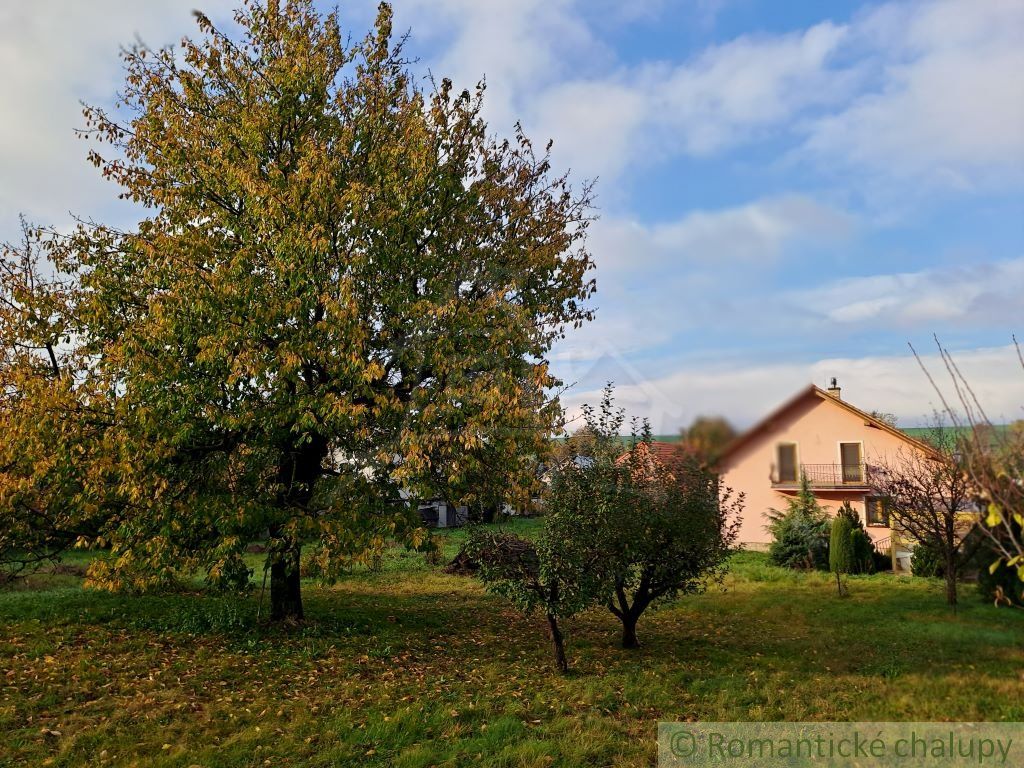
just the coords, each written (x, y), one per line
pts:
(787, 191)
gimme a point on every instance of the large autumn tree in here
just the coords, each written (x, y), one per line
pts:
(342, 295)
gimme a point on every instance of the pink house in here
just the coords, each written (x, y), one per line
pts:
(820, 436)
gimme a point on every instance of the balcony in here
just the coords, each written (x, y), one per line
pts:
(826, 476)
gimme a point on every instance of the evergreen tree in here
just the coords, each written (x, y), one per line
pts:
(840, 551)
(863, 548)
(800, 533)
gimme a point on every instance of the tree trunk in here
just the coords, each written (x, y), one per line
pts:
(300, 468)
(951, 582)
(629, 638)
(285, 586)
(558, 644)
(628, 614)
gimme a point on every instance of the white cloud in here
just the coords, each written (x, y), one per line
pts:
(657, 281)
(593, 124)
(927, 91)
(987, 294)
(752, 233)
(757, 233)
(55, 54)
(725, 95)
(520, 46)
(730, 92)
(690, 283)
(949, 108)
(746, 393)
(545, 65)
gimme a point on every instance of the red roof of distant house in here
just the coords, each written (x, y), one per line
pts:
(664, 452)
(667, 451)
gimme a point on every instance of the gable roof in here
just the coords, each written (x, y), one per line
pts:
(814, 391)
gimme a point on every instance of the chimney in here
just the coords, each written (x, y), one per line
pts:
(834, 389)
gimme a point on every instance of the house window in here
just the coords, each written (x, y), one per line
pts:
(853, 462)
(787, 462)
(876, 510)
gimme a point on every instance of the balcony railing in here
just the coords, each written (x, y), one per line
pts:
(826, 476)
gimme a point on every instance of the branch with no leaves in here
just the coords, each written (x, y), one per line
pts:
(992, 457)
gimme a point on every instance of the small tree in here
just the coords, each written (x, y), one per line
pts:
(800, 533)
(707, 436)
(654, 527)
(552, 574)
(994, 461)
(840, 550)
(929, 498)
(624, 530)
(672, 533)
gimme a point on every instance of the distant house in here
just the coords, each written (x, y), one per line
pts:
(659, 451)
(438, 513)
(817, 435)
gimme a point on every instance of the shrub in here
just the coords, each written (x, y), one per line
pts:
(847, 511)
(881, 561)
(927, 560)
(1000, 586)
(997, 583)
(863, 551)
(800, 541)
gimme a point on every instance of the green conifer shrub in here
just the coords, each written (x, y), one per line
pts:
(840, 554)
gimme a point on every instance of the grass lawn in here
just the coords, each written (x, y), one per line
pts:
(410, 667)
